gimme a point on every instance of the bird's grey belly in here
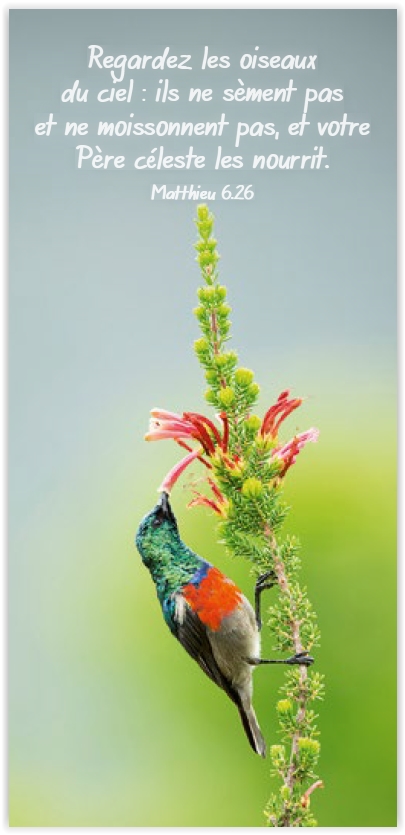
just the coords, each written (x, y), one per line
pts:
(237, 640)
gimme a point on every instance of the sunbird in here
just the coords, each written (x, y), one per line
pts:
(208, 613)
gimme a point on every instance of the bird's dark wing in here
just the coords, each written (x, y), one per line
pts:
(192, 634)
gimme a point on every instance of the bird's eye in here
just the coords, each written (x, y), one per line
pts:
(157, 521)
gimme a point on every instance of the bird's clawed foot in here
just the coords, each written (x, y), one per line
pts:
(265, 581)
(300, 658)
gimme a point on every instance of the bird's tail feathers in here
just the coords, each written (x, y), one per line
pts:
(252, 729)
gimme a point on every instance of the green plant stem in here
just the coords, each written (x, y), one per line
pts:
(250, 477)
(290, 776)
(298, 647)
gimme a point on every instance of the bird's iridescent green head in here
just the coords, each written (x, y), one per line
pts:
(157, 531)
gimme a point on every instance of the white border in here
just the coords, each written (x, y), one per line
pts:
(90, 4)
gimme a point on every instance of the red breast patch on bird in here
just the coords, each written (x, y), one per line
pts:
(215, 597)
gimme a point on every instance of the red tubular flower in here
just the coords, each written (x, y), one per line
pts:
(277, 413)
(215, 489)
(204, 429)
(217, 505)
(177, 470)
(199, 457)
(189, 426)
(288, 453)
(195, 427)
(165, 424)
(225, 439)
(206, 502)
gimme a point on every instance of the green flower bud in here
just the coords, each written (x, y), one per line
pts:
(207, 256)
(221, 292)
(200, 313)
(284, 707)
(220, 360)
(253, 391)
(201, 246)
(224, 310)
(252, 423)
(206, 294)
(210, 294)
(201, 346)
(308, 748)
(211, 375)
(227, 397)
(232, 358)
(211, 397)
(243, 376)
(201, 293)
(252, 488)
(205, 230)
(203, 212)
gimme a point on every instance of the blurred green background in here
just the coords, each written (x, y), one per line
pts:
(110, 722)
(114, 725)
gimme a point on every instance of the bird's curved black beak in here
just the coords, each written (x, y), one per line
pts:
(164, 502)
(165, 506)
